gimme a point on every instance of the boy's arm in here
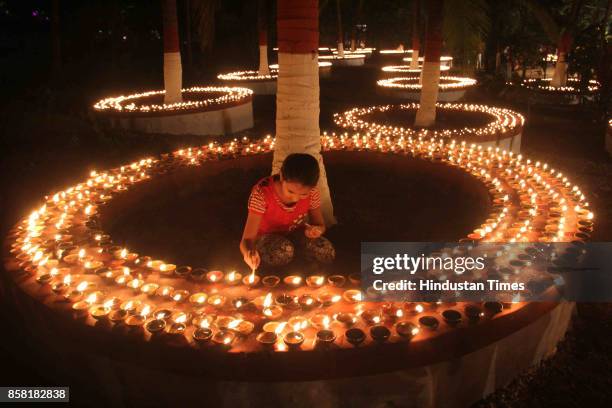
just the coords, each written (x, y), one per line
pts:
(316, 221)
(249, 234)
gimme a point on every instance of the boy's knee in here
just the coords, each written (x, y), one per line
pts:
(275, 250)
(320, 249)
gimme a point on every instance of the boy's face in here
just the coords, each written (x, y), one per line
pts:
(294, 191)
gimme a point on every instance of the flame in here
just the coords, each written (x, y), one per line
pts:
(279, 329)
(399, 313)
(82, 286)
(252, 277)
(108, 304)
(296, 280)
(123, 253)
(145, 311)
(419, 308)
(326, 322)
(67, 279)
(81, 253)
(92, 298)
(415, 331)
(267, 300)
(204, 323)
(319, 280)
(297, 327)
(231, 276)
(234, 323)
(181, 318)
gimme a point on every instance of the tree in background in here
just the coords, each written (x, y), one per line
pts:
(466, 24)
(340, 31)
(560, 30)
(416, 33)
(173, 72)
(297, 95)
(262, 28)
(357, 16)
(430, 73)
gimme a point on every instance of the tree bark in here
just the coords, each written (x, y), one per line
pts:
(173, 72)
(297, 96)
(340, 33)
(426, 114)
(188, 46)
(356, 20)
(560, 75)
(262, 28)
(416, 40)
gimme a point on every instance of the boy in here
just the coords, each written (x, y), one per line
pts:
(277, 211)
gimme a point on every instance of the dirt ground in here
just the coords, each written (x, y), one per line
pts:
(49, 142)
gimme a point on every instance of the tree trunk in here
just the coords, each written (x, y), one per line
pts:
(416, 40)
(356, 20)
(560, 75)
(188, 46)
(262, 27)
(340, 33)
(56, 42)
(426, 114)
(297, 96)
(173, 72)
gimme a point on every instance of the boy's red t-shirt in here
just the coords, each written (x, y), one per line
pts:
(276, 216)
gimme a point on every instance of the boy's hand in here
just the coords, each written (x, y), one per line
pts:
(313, 231)
(252, 258)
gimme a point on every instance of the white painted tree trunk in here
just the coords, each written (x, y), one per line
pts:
(560, 75)
(173, 77)
(297, 118)
(340, 49)
(414, 62)
(264, 68)
(426, 114)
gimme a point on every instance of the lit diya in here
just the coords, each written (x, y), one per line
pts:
(406, 329)
(315, 281)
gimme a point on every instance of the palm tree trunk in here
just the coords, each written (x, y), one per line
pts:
(262, 26)
(340, 33)
(297, 95)
(430, 74)
(560, 75)
(173, 72)
(416, 40)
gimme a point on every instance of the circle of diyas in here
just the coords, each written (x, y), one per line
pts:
(412, 83)
(443, 59)
(338, 57)
(540, 85)
(503, 121)
(322, 64)
(59, 244)
(407, 69)
(394, 52)
(129, 103)
(249, 76)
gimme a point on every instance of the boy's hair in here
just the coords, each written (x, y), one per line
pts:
(302, 168)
